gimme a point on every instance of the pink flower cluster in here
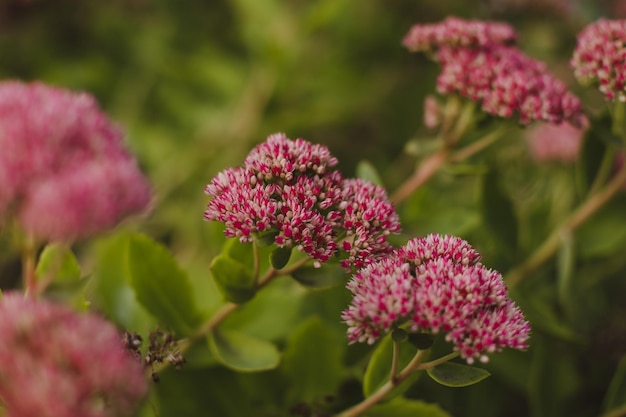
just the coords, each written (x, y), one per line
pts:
(600, 57)
(478, 63)
(548, 142)
(55, 362)
(458, 33)
(64, 171)
(436, 284)
(290, 188)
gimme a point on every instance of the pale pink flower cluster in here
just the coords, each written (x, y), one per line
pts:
(478, 63)
(55, 362)
(64, 171)
(600, 57)
(290, 188)
(559, 143)
(436, 284)
(456, 32)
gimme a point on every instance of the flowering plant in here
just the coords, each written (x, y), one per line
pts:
(322, 295)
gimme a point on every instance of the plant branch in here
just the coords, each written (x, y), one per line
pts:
(551, 244)
(386, 388)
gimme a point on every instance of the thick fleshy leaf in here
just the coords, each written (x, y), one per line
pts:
(57, 262)
(453, 374)
(401, 407)
(616, 394)
(109, 286)
(379, 367)
(161, 286)
(242, 252)
(233, 278)
(367, 171)
(241, 352)
(326, 276)
(279, 257)
(313, 358)
(498, 213)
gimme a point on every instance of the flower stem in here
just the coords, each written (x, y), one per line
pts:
(551, 244)
(29, 278)
(376, 397)
(224, 311)
(433, 363)
(434, 162)
(423, 172)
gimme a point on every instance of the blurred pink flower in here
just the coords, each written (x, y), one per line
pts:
(477, 63)
(457, 32)
(48, 134)
(289, 187)
(436, 285)
(600, 57)
(549, 142)
(55, 362)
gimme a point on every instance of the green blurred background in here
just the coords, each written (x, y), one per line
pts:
(196, 84)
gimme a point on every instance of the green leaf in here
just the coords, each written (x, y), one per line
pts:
(367, 171)
(498, 213)
(161, 286)
(313, 361)
(109, 287)
(326, 276)
(554, 378)
(234, 280)
(242, 252)
(605, 232)
(401, 407)
(453, 374)
(241, 352)
(566, 259)
(279, 257)
(266, 238)
(379, 367)
(616, 394)
(421, 340)
(57, 262)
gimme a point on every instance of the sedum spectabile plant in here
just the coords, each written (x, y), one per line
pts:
(128, 333)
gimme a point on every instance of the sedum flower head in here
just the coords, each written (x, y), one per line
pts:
(478, 63)
(436, 285)
(289, 188)
(51, 140)
(55, 362)
(368, 219)
(457, 32)
(600, 57)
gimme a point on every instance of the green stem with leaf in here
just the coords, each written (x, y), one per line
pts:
(552, 243)
(395, 379)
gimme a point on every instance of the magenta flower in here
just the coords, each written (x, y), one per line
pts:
(55, 362)
(600, 57)
(51, 137)
(477, 63)
(436, 285)
(368, 219)
(289, 188)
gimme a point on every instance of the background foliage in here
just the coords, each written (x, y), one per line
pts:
(197, 83)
